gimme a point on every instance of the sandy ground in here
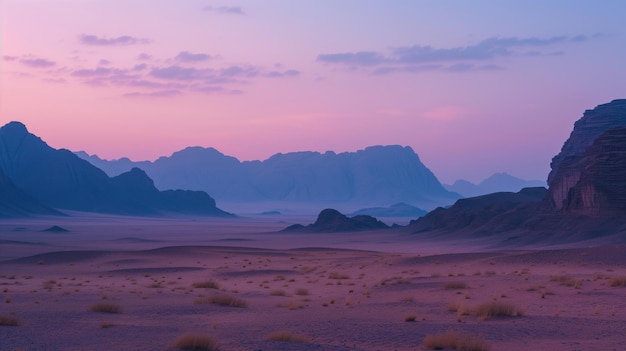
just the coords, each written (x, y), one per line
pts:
(340, 291)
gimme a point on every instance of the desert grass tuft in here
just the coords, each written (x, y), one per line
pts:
(195, 342)
(105, 308)
(618, 281)
(302, 292)
(209, 284)
(337, 275)
(278, 292)
(222, 300)
(455, 341)
(497, 309)
(9, 321)
(410, 318)
(286, 336)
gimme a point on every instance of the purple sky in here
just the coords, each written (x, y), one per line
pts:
(474, 87)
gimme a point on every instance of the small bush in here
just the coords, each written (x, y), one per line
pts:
(209, 284)
(497, 309)
(286, 336)
(278, 293)
(410, 318)
(455, 341)
(106, 308)
(302, 292)
(222, 300)
(618, 281)
(566, 280)
(337, 275)
(195, 342)
(455, 285)
(9, 321)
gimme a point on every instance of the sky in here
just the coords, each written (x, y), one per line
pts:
(474, 87)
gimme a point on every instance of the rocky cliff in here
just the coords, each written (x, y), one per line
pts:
(601, 172)
(566, 171)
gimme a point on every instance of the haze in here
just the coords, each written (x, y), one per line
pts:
(473, 87)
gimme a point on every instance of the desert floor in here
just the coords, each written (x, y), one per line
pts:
(239, 281)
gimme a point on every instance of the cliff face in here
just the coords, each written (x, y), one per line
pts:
(601, 171)
(566, 168)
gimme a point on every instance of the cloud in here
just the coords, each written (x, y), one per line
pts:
(417, 58)
(143, 57)
(37, 62)
(362, 58)
(279, 74)
(104, 62)
(140, 67)
(186, 56)
(9, 58)
(123, 40)
(157, 94)
(227, 10)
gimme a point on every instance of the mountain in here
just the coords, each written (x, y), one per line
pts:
(586, 198)
(498, 182)
(396, 210)
(60, 179)
(377, 175)
(16, 203)
(330, 220)
(566, 171)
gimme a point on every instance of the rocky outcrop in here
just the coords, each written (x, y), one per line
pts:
(330, 220)
(60, 179)
(601, 187)
(566, 171)
(396, 210)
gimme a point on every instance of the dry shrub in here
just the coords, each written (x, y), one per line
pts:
(455, 285)
(302, 292)
(410, 318)
(209, 284)
(459, 308)
(337, 275)
(278, 293)
(293, 305)
(106, 308)
(455, 341)
(221, 300)
(497, 309)
(618, 281)
(566, 280)
(9, 321)
(195, 342)
(286, 336)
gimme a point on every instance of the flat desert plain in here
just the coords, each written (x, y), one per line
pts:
(119, 283)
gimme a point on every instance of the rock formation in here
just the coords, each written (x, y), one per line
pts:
(498, 182)
(396, 210)
(330, 220)
(566, 171)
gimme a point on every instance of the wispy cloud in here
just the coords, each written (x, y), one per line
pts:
(417, 58)
(186, 56)
(144, 57)
(227, 10)
(88, 39)
(158, 94)
(37, 62)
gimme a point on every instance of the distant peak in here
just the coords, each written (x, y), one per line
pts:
(15, 127)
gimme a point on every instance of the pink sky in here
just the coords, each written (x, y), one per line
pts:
(473, 87)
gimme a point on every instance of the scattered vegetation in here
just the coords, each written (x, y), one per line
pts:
(9, 321)
(455, 285)
(222, 300)
(337, 275)
(618, 281)
(566, 280)
(286, 336)
(106, 308)
(278, 293)
(302, 292)
(497, 309)
(195, 342)
(209, 284)
(410, 318)
(455, 341)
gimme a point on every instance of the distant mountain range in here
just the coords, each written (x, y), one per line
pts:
(498, 182)
(38, 178)
(375, 176)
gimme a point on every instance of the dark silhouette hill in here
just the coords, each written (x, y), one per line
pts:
(498, 182)
(330, 220)
(586, 198)
(378, 175)
(16, 203)
(60, 179)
